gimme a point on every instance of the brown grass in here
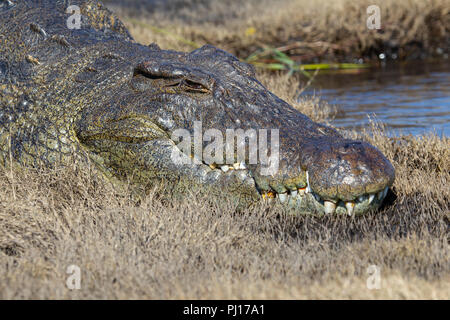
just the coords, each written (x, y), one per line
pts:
(306, 30)
(204, 249)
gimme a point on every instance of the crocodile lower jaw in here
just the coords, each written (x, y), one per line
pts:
(307, 200)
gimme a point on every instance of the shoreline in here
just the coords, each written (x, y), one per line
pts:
(201, 247)
(307, 32)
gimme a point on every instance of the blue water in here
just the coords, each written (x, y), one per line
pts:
(409, 99)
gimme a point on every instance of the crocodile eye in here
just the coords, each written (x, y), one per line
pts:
(147, 76)
(194, 86)
(143, 81)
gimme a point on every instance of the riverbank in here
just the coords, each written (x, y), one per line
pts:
(307, 31)
(291, 35)
(204, 249)
(163, 248)
(409, 98)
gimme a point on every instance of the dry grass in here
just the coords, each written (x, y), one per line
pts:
(306, 30)
(203, 248)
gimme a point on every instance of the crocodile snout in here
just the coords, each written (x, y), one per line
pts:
(330, 174)
(346, 169)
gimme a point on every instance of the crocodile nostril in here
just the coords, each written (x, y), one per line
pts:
(349, 147)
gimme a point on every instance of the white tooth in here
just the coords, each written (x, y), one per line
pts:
(225, 168)
(236, 166)
(350, 206)
(294, 193)
(371, 197)
(242, 165)
(385, 191)
(242, 175)
(308, 189)
(380, 195)
(329, 207)
(361, 198)
(249, 181)
(283, 197)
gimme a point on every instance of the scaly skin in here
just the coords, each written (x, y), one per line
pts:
(93, 94)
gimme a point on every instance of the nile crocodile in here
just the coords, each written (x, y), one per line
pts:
(78, 87)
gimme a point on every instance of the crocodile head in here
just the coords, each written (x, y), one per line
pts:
(172, 109)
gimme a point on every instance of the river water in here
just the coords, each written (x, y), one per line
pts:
(409, 98)
(412, 98)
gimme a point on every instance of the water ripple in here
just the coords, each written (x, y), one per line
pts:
(410, 99)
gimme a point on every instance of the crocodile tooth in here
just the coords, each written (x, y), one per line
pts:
(302, 191)
(242, 165)
(283, 197)
(268, 195)
(329, 206)
(225, 168)
(361, 198)
(236, 166)
(380, 195)
(213, 165)
(371, 197)
(294, 193)
(385, 191)
(249, 181)
(317, 197)
(242, 175)
(308, 188)
(350, 206)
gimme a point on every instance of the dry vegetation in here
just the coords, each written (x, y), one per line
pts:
(321, 30)
(203, 248)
